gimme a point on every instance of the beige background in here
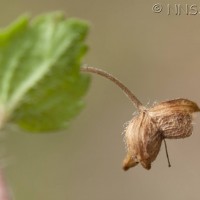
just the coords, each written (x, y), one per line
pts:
(156, 56)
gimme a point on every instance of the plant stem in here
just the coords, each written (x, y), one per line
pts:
(100, 72)
(4, 192)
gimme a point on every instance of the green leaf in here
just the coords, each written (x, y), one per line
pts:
(41, 87)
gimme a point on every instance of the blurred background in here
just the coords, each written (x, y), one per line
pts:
(157, 56)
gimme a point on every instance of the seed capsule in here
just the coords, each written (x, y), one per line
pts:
(145, 132)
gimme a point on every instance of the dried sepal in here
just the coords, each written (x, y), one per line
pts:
(145, 132)
(143, 141)
(174, 117)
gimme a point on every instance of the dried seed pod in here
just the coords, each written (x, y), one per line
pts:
(145, 132)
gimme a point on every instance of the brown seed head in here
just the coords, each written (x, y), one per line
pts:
(145, 132)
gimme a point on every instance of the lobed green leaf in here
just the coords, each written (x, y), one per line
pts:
(41, 87)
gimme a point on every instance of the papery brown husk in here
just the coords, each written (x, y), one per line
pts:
(143, 141)
(174, 117)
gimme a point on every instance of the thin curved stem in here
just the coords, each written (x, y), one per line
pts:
(100, 72)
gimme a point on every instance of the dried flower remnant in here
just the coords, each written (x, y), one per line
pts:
(150, 126)
(145, 132)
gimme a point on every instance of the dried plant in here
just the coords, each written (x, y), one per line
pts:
(146, 131)
(150, 126)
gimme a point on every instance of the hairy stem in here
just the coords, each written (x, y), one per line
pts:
(110, 77)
